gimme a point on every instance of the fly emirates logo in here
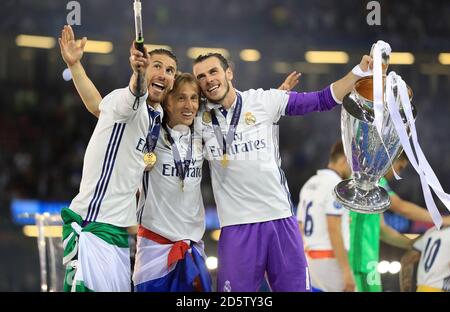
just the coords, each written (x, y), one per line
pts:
(194, 171)
(249, 145)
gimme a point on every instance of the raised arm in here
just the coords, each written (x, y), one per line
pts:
(392, 237)
(412, 211)
(139, 63)
(122, 104)
(408, 261)
(345, 85)
(326, 99)
(72, 52)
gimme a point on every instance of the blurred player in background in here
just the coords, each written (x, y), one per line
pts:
(325, 226)
(432, 251)
(366, 230)
(400, 206)
(365, 233)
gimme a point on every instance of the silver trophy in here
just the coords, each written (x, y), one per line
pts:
(368, 155)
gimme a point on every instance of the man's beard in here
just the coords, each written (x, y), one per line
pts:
(156, 99)
(219, 101)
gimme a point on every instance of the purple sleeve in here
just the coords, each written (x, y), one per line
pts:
(307, 102)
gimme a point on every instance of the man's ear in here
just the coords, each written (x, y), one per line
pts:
(229, 74)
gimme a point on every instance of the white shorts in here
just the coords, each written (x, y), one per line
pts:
(326, 274)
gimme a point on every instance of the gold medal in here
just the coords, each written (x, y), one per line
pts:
(224, 160)
(250, 118)
(206, 117)
(150, 159)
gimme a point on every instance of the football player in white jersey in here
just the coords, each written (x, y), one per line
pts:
(325, 226)
(259, 232)
(170, 254)
(432, 251)
(95, 238)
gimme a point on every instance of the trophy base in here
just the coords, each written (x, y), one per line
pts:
(353, 198)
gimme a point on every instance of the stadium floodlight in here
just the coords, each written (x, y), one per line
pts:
(31, 41)
(401, 58)
(327, 57)
(211, 263)
(394, 267)
(95, 46)
(250, 55)
(444, 58)
(383, 266)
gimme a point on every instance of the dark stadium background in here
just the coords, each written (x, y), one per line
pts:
(44, 127)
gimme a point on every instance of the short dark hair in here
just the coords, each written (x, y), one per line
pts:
(164, 52)
(337, 150)
(223, 61)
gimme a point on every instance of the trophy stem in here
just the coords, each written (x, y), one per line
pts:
(357, 199)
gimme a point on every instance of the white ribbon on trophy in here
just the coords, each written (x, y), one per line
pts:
(427, 176)
(378, 84)
(377, 50)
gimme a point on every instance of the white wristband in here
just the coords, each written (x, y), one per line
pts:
(360, 73)
(333, 95)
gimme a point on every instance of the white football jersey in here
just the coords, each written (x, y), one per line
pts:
(113, 162)
(252, 187)
(434, 265)
(165, 207)
(315, 204)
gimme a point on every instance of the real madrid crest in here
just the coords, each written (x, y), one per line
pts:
(250, 118)
(206, 117)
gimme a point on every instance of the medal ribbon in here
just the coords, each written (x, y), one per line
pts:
(153, 129)
(225, 141)
(182, 170)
